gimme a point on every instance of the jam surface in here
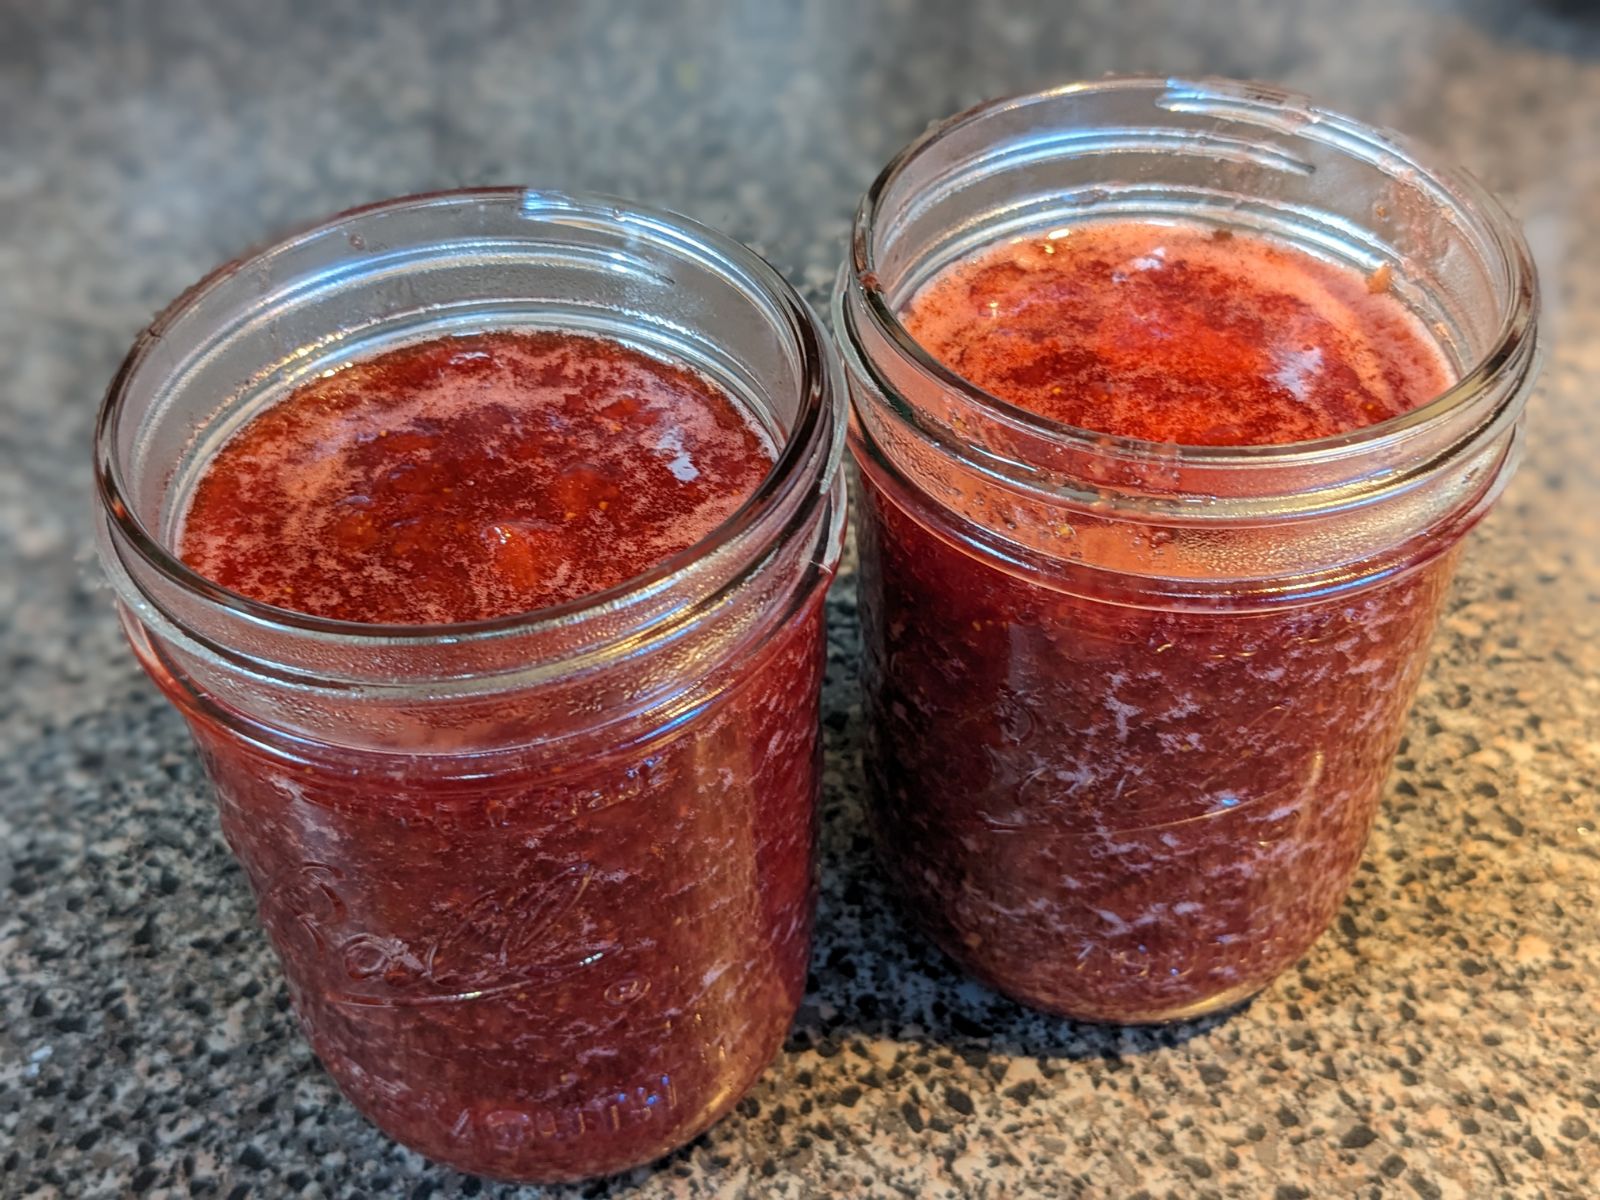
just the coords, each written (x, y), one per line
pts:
(528, 963)
(471, 477)
(1172, 333)
(1116, 811)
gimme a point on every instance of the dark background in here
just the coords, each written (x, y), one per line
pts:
(1439, 1041)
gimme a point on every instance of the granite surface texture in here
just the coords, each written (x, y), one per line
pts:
(1440, 1041)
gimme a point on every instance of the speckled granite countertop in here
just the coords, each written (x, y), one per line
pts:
(1441, 1040)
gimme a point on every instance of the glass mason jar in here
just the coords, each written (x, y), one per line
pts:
(1130, 705)
(541, 886)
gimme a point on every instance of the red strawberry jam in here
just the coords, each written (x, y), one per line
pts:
(1176, 334)
(527, 968)
(1116, 811)
(472, 477)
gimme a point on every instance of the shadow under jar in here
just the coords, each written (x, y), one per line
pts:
(1130, 704)
(541, 885)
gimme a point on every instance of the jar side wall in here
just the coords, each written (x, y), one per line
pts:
(1114, 812)
(539, 978)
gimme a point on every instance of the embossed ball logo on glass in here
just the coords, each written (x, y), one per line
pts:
(523, 934)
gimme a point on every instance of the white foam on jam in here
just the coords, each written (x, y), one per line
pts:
(681, 463)
(1296, 370)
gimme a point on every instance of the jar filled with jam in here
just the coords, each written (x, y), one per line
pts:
(482, 539)
(1172, 404)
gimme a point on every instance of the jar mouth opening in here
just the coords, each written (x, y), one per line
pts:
(1276, 109)
(812, 434)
